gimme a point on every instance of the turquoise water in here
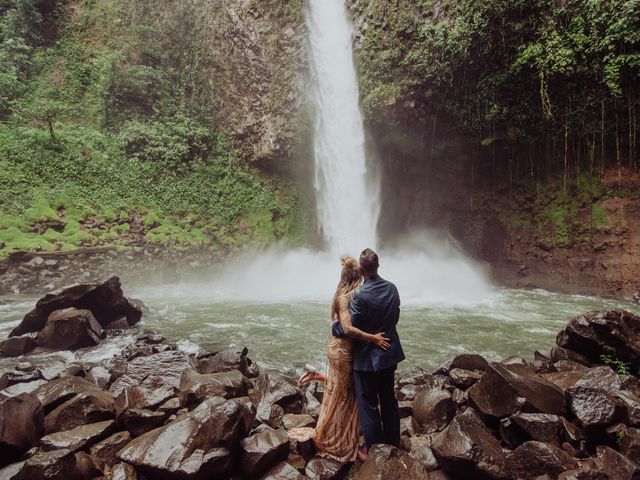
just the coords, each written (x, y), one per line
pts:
(286, 335)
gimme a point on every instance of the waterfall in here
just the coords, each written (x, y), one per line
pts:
(347, 199)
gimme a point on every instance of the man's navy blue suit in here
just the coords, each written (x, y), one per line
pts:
(375, 308)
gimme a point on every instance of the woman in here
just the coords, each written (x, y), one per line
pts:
(336, 434)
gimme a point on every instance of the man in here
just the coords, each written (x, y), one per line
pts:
(375, 309)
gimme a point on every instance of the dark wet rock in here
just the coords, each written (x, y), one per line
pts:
(425, 456)
(139, 421)
(99, 376)
(152, 392)
(195, 387)
(123, 471)
(595, 409)
(275, 388)
(389, 463)
(85, 467)
(56, 392)
(21, 426)
(170, 364)
(25, 387)
(77, 438)
(201, 441)
(105, 450)
(433, 409)
(463, 378)
(533, 458)
(564, 380)
(282, 471)
(559, 354)
(603, 378)
(408, 392)
(465, 361)
(171, 406)
(292, 420)
(325, 469)
(86, 407)
(105, 301)
(270, 414)
(301, 442)
(468, 450)
(584, 474)
(514, 360)
(540, 426)
(16, 346)
(311, 405)
(70, 329)
(227, 360)
(569, 366)
(629, 440)
(613, 333)
(17, 376)
(616, 466)
(263, 450)
(408, 426)
(58, 464)
(505, 390)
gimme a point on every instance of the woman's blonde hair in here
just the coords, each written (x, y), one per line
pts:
(350, 281)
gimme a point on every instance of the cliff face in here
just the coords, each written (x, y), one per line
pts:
(245, 61)
(578, 232)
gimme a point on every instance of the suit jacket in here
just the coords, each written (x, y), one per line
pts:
(375, 308)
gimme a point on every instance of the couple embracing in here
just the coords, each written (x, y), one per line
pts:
(363, 351)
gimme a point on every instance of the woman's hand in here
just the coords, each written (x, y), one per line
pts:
(381, 341)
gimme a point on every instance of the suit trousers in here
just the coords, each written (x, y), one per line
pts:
(378, 407)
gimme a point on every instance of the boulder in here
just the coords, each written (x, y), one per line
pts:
(292, 420)
(424, 455)
(16, 346)
(87, 407)
(505, 390)
(195, 387)
(385, 462)
(170, 364)
(105, 301)
(77, 438)
(99, 376)
(320, 468)
(138, 421)
(105, 450)
(433, 409)
(462, 378)
(152, 392)
(542, 427)
(58, 464)
(24, 387)
(263, 450)
(201, 441)
(56, 392)
(311, 405)
(467, 449)
(123, 471)
(21, 426)
(227, 360)
(275, 388)
(617, 466)
(559, 354)
(532, 459)
(613, 333)
(85, 467)
(70, 329)
(584, 474)
(595, 409)
(465, 361)
(282, 471)
(564, 380)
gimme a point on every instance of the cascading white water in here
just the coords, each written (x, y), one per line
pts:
(348, 205)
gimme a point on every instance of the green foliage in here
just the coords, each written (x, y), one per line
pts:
(106, 136)
(609, 358)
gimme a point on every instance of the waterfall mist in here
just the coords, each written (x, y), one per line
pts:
(428, 269)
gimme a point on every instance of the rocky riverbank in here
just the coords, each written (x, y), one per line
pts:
(155, 412)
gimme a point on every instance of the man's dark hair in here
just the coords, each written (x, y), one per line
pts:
(369, 261)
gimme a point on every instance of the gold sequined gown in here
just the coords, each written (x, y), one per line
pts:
(337, 431)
